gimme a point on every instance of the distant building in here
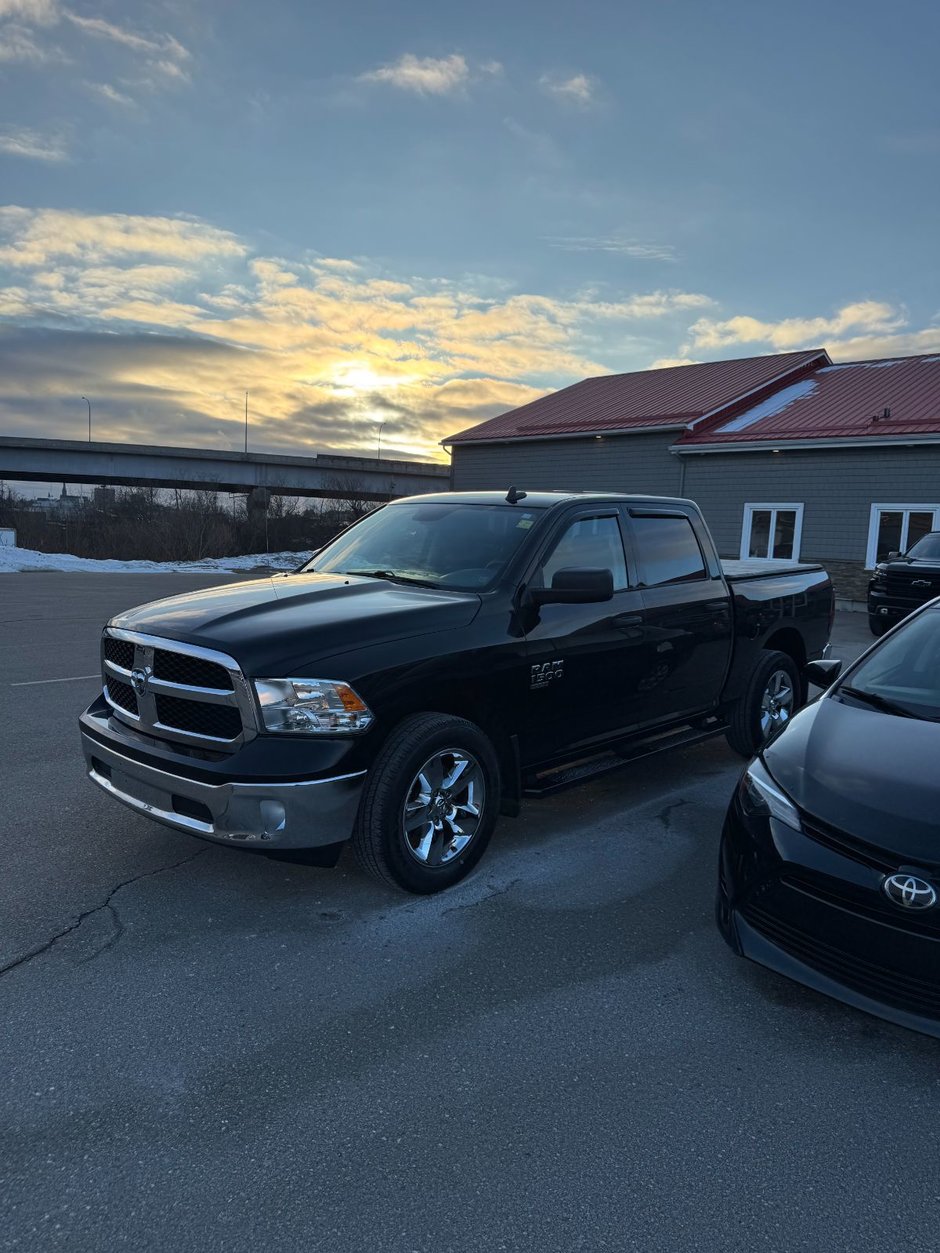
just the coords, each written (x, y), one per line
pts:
(789, 456)
(61, 507)
(103, 498)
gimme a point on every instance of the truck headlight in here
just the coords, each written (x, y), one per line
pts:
(880, 577)
(311, 707)
(760, 794)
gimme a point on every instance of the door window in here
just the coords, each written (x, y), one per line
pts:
(594, 542)
(667, 551)
(897, 528)
(772, 532)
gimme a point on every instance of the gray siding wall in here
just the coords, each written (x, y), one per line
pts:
(837, 488)
(619, 463)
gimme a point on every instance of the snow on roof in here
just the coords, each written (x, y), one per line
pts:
(858, 399)
(772, 405)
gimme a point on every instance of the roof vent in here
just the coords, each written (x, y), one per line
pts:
(883, 416)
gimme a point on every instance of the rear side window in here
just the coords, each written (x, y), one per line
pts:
(667, 551)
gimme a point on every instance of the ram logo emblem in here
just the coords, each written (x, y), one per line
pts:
(544, 673)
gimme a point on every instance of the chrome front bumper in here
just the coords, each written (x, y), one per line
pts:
(263, 815)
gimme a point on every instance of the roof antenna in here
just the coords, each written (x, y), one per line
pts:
(514, 494)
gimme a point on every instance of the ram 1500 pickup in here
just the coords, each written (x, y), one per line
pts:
(439, 660)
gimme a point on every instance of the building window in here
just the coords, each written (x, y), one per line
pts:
(896, 528)
(772, 531)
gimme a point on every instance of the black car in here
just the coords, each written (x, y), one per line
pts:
(903, 583)
(830, 856)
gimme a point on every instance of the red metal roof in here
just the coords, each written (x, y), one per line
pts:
(836, 402)
(672, 396)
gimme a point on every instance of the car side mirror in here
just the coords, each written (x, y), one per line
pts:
(893, 556)
(823, 673)
(576, 585)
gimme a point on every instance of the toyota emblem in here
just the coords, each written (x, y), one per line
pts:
(140, 677)
(909, 892)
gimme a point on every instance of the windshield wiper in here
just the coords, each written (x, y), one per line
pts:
(878, 702)
(390, 575)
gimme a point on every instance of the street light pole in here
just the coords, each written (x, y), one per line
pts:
(381, 429)
(88, 403)
(246, 424)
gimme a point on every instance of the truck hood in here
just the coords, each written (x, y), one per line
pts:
(279, 625)
(921, 577)
(869, 774)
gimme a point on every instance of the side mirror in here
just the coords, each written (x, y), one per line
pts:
(578, 585)
(894, 556)
(823, 673)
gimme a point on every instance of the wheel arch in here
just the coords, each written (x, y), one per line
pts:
(789, 641)
(476, 708)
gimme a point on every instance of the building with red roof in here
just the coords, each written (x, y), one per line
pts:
(790, 456)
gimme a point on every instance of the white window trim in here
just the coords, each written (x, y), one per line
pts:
(871, 552)
(749, 510)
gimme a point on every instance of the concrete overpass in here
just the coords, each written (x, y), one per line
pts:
(134, 465)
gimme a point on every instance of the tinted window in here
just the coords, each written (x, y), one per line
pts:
(905, 669)
(926, 549)
(456, 545)
(667, 551)
(594, 542)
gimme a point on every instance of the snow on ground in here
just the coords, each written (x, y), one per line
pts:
(13, 560)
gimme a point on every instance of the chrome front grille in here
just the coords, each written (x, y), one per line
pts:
(176, 691)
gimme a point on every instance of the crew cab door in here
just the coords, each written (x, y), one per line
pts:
(688, 622)
(585, 662)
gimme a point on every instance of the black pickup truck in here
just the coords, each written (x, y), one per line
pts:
(903, 583)
(436, 662)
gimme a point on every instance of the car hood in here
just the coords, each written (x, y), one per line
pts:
(280, 624)
(869, 774)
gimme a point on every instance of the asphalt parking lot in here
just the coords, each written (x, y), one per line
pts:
(206, 1050)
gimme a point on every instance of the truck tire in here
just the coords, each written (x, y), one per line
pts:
(773, 696)
(430, 804)
(877, 625)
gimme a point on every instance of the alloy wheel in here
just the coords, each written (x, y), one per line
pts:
(776, 706)
(443, 807)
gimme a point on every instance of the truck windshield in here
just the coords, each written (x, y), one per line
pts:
(461, 546)
(904, 671)
(926, 549)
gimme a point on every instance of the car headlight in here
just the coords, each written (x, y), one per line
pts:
(311, 707)
(761, 795)
(880, 576)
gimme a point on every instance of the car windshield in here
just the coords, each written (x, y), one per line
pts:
(904, 671)
(926, 549)
(460, 546)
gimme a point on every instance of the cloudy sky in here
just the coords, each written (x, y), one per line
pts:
(422, 215)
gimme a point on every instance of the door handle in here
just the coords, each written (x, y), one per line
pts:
(627, 620)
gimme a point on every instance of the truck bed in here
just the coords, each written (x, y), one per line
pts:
(737, 571)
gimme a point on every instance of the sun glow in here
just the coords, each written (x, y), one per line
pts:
(357, 376)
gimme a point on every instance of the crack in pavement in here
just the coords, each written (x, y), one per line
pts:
(482, 900)
(665, 815)
(25, 958)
